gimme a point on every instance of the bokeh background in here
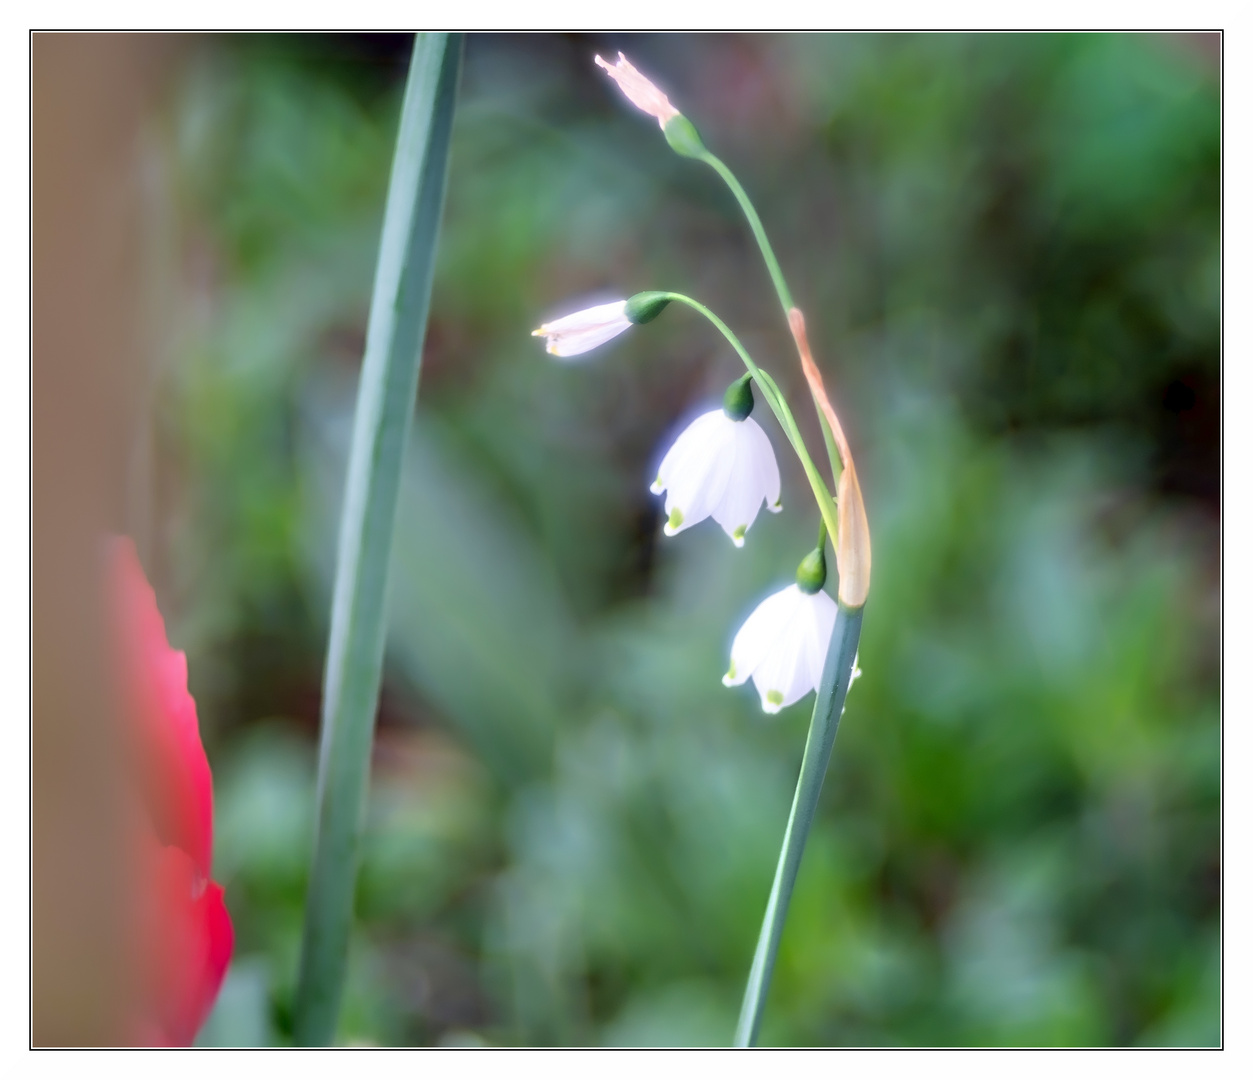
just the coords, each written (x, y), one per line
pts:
(1008, 251)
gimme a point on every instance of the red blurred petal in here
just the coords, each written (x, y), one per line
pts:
(220, 938)
(177, 780)
(186, 939)
(182, 930)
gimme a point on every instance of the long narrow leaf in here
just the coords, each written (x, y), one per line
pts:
(385, 401)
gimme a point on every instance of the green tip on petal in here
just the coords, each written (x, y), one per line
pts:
(775, 697)
(676, 518)
(730, 671)
(740, 530)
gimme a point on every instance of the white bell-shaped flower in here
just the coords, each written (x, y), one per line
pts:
(585, 329)
(720, 467)
(783, 645)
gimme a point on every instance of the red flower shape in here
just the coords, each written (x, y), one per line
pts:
(183, 930)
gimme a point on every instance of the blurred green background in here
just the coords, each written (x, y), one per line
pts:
(1008, 251)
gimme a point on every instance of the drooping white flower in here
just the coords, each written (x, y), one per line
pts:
(585, 329)
(720, 468)
(639, 91)
(783, 645)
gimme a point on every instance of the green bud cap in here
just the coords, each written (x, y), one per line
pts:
(811, 575)
(683, 138)
(646, 306)
(737, 403)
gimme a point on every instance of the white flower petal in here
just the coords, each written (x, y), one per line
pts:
(742, 499)
(768, 467)
(821, 613)
(695, 433)
(760, 632)
(782, 677)
(584, 330)
(700, 472)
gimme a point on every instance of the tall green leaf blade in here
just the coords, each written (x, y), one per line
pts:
(385, 400)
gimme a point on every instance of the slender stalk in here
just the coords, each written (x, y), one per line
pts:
(754, 223)
(385, 398)
(779, 406)
(776, 276)
(833, 451)
(771, 392)
(837, 672)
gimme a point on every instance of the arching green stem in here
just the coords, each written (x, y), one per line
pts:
(779, 406)
(826, 431)
(754, 223)
(776, 276)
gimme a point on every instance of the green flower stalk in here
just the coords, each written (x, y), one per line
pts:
(685, 140)
(851, 531)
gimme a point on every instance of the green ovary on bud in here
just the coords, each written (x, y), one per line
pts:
(811, 575)
(645, 306)
(737, 403)
(683, 138)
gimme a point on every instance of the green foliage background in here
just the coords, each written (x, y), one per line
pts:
(1008, 251)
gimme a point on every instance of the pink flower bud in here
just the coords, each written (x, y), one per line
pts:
(639, 91)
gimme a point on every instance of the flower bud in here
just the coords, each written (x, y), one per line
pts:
(585, 329)
(683, 138)
(639, 91)
(646, 306)
(811, 575)
(737, 403)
